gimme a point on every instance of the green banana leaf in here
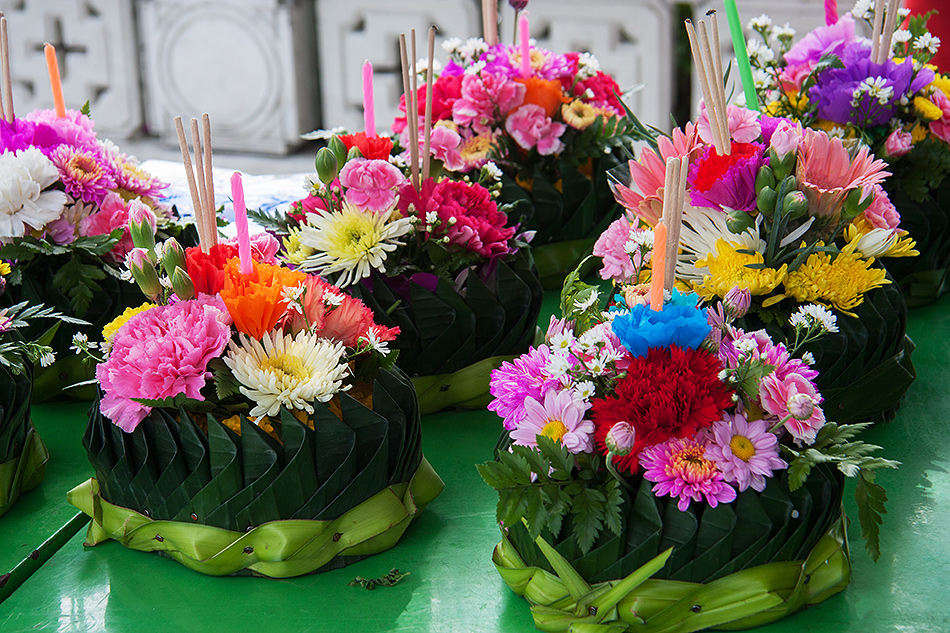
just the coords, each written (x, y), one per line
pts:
(23, 455)
(736, 566)
(923, 278)
(452, 328)
(170, 471)
(574, 210)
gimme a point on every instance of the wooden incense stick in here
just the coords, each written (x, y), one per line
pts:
(720, 90)
(723, 147)
(8, 114)
(202, 210)
(890, 23)
(678, 206)
(427, 131)
(210, 207)
(192, 185)
(876, 30)
(703, 81)
(669, 201)
(412, 116)
(414, 76)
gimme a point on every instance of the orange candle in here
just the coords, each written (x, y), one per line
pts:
(54, 81)
(659, 266)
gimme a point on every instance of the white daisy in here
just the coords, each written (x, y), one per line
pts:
(351, 242)
(24, 205)
(808, 358)
(592, 298)
(293, 371)
(584, 390)
(562, 341)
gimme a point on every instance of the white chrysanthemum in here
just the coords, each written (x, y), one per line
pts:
(877, 242)
(491, 170)
(592, 298)
(814, 315)
(293, 371)
(701, 229)
(24, 205)
(351, 242)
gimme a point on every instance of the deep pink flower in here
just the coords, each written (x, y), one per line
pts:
(160, 353)
(831, 39)
(513, 383)
(611, 246)
(941, 127)
(746, 452)
(561, 418)
(74, 129)
(604, 91)
(882, 214)
(112, 214)
(128, 175)
(785, 138)
(679, 468)
(371, 184)
(794, 395)
(531, 128)
(485, 101)
(86, 174)
(743, 124)
(264, 247)
(726, 182)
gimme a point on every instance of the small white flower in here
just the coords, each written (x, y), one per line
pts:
(592, 298)
(374, 343)
(862, 9)
(472, 48)
(398, 161)
(836, 132)
(814, 315)
(783, 32)
(562, 341)
(432, 218)
(596, 366)
(745, 345)
(80, 343)
(451, 45)
(558, 366)
(927, 42)
(723, 375)
(422, 66)
(475, 68)
(760, 23)
(331, 298)
(491, 170)
(324, 135)
(902, 36)
(903, 13)
(587, 66)
(584, 390)
(47, 359)
(808, 358)
(165, 282)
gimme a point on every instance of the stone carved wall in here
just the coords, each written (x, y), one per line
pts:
(97, 49)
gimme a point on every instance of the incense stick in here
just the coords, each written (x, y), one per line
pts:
(669, 202)
(705, 84)
(210, 207)
(8, 113)
(678, 206)
(723, 146)
(201, 187)
(884, 52)
(414, 76)
(192, 185)
(720, 90)
(427, 132)
(876, 31)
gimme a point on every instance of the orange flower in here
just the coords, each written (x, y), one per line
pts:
(543, 92)
(255, 301)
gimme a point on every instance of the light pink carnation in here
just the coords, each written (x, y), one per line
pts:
(75, 129)
(898, 143)
(371, 184)
(882, 214)
(743, 124)
(796, 396)
(531, 127)
(112, 214)
(264, 247)
(611, 246)
(161, 353)
(785, 138)
(484, 98)
(941, 127)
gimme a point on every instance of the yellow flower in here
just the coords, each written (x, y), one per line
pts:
(728, 269)
(5, 268)
(477, 148)
(918, 134)
(113, 326)
(578, 115)
(841, 282)
(927, 109)
(296, 251)
(863, 238)
(942, 83)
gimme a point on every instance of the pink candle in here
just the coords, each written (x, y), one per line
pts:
(831, 12)
(659, 266)
(240, 220)
(524, 33)
(369, 110)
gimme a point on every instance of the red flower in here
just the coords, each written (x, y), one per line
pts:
(372, 147)
(445, 90)
(605, 91)
(670, 392)
(207, 271)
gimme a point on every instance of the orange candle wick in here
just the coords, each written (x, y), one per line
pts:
(54, 80)
(659, 266)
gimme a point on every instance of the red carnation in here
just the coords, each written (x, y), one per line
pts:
(670, 392)
(372, 147)
(445, 90)
(604, 89)
(207, 270)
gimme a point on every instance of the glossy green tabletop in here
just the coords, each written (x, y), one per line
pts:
(453, 586)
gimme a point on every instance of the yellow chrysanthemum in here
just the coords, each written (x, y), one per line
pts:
(942, 83)
(5, 269)
(840, 283)
(927, 108)
(477, 148)
(918, 133)
(579, 115)
(728, 269)
(296, 250)
(113, 326)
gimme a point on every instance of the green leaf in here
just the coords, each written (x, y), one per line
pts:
(614, 502)
(798, 472)
(85, 108)
(870, 498)
(173, 402)
(78, 282)
(588, 511)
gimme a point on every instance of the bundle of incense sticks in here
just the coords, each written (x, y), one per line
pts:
(674, 195)
(711, 80)
(410, 78)
(6, 89)
(202, 184)
(883, 31)
(490, 21)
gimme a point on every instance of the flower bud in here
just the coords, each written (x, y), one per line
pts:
(354, 153)
(739, 221)
(765, 201)
(327, 166)
(898, 143)
(636, 294)
(737, 302)
(620, 439)
(173, 256)
(765, 178)
(143, 271)
(785, 139)
(795, 205)
(142, 223)
(801, 406)
(784, 166)
(338, 148)
(182, 285)
(855, 203)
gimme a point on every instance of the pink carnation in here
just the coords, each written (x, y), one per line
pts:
(531, 128)
(796, 396)
(882, 214)
(74, 129)
(941, 127)
(899, 143)
(611, 246)
(161, 353)
(371, 184)
(484, 98)
(743, 124)
(112, 214)
(264, 247)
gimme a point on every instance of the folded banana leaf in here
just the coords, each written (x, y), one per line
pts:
(317, 499)
(865, 367)
(923, 278)
(735, 566)
(446, 330)
(568, 211)
(23, 455)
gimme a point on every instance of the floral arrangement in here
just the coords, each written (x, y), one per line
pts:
(625, 412)
(882, 93)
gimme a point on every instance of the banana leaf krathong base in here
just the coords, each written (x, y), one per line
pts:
(24, 472)
(736, 566)
(567, 214)
(456, 335)
(23, 455)
(221, 502)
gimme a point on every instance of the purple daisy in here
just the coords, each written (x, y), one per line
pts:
(679, 468)
(514, 382)
(561, 418)
(746, 452)
(505, 60)
(128, 175)
(86, 173)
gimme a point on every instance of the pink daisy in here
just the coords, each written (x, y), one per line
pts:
(746, 452)
(561, 418)
(679, 468)
(85, 173)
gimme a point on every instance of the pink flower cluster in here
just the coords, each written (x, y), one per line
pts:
(371, 184)
(619, 263)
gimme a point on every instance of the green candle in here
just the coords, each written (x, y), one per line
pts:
(742, 55)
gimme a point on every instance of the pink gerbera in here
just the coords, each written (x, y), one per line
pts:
(561, 418)
(746, 452)
(85, 172)
(679, 468)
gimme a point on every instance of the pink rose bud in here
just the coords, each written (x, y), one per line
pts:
(143, 271)
(620, 438)
(737, 302)
(142, 224)
(898, 143)
(785, 139)
(801, 406)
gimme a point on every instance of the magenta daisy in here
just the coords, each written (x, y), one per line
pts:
(129, 175)
(85, 173)
(561, 418)
(514, 382)
(679, 468)
(746, 452)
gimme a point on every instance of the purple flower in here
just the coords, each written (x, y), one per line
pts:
(85, 172)
(746, 452)
(22, 134)
(824, 40)
(726, 182)
(505, 60)
(512, 383)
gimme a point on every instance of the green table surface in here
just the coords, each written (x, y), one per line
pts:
(453, 586)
